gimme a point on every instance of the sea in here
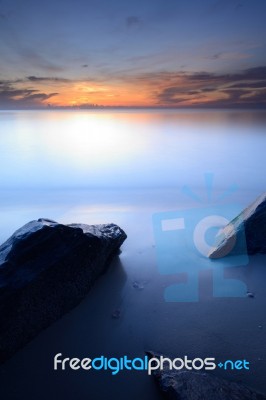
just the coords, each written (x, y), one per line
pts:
(135, 168)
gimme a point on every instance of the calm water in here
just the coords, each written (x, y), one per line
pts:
(54, 162)
(73, 150)
(123, 167)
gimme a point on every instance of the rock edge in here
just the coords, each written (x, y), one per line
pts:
(46, 269)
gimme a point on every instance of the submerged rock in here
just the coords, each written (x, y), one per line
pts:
(252, 223)
(46, 269)
(189, 385)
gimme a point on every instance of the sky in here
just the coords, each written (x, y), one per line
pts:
(141, 53)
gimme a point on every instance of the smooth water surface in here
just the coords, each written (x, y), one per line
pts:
(124, 167)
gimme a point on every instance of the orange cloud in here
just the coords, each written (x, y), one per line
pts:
(159, 89)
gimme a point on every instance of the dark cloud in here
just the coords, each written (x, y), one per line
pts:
(8, 93)
(243, 85)
(192, 92)
(7, 82)
(165, 99)
(85, 66)
(172, 94)
(39, 96)
(133, 22)
(234, 95)
(201, 76)
(176, 94)
(241, 89)
(45, 79)
(257, 97)
(207, 89)
(256, 73)
(216, 56)
(12, 97)
(242, 99)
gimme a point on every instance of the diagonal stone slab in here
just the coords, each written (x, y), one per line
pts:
(251, 221)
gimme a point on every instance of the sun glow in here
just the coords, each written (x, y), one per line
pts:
(89, 93)
(92, 140)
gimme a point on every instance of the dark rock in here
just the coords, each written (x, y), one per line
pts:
(189, 385)
(252, 223)
(46, 269)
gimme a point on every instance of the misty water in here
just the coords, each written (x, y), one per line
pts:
(125, 167)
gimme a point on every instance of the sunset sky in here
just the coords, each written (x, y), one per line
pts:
(147, 53)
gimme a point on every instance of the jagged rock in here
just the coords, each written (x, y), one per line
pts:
(189, 385)
(46, 269)
(248, 226)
